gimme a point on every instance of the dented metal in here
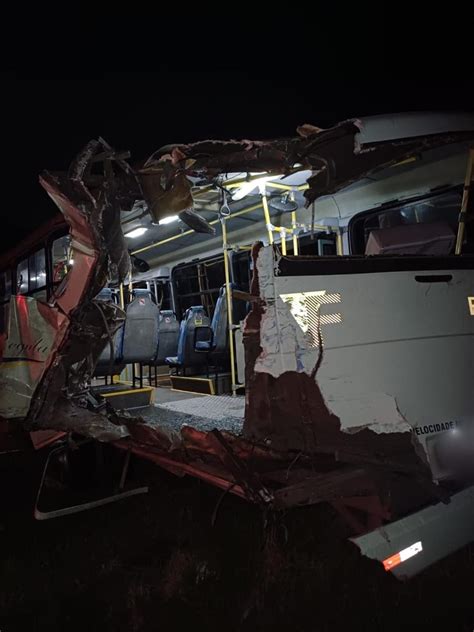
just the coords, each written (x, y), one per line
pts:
(333, 400)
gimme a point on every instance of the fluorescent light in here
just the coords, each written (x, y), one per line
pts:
(71, 262)
(247, 187)
(168, 220)
(136, 232)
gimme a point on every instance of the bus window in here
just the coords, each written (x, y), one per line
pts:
(198, 283)
(5, 293)
(22, 277)
(163, 292)
(31, 275)
(36, 271)
(241, 262)
(442, 208)
(320, 244)
(61, 258)
(5, 285)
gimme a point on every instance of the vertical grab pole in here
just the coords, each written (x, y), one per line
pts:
(267, 214)
(339, 246)
(122, 306)
(465, 200)
(283, 240)
(130, 290)
(130, 285)
(122, 300)
(293, 227)
(228, 293)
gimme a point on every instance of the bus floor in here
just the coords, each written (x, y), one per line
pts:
(173, 409)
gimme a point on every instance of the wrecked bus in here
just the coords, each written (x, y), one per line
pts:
(291, 321)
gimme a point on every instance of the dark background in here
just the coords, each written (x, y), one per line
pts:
(45, 122)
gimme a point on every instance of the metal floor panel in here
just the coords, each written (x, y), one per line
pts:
(215, 407)
(164, 395)
(203, 413)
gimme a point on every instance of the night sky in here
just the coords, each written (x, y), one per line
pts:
(45, 122)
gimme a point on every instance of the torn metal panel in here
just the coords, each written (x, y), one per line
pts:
(51, 349)
(340, 322)
(245, 476)
(34, 331)
(281, 361)
(334, 158)
(438, 530)
(324, 488)
(42, 438)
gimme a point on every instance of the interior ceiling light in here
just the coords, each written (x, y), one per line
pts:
(168, 220)
(136, 232)
(247, 187)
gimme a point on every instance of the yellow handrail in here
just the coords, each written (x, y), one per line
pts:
(249, 209)
(228, 292)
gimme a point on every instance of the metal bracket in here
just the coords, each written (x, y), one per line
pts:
(66, 511)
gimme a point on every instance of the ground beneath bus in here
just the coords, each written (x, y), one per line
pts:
(184, 557)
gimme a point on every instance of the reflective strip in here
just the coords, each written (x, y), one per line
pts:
(402, 556)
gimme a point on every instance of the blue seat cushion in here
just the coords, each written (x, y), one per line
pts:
(203, 345)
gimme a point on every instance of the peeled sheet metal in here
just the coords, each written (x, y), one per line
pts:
(51, 349)
(375, 369)
(334, 157)
(34, 330)
(424, 537)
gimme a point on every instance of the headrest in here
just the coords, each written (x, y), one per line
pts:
(167, 315)
(106, 294)
(141, 293)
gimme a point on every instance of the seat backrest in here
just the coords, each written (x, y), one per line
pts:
(168, 334)
(195, 317)
(140, 338)
(104, 365)
(106, 294)
(220, 325)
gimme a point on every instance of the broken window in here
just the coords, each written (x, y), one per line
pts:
(22, 277)
(441, 209)
(37, 271)
(61, 257)
(31, 275)
(5, 285)
(5, 293)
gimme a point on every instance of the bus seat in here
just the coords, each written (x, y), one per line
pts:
(195, 317)
(106, 365)
(106, 294)
(140, 338)
(218, 341)
(216, 338)
(168, 334)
